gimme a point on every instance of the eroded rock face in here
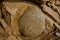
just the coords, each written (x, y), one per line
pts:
(29, 22)
(30, 18)
(32, 22)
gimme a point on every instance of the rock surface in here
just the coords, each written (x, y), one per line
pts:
(30, 20)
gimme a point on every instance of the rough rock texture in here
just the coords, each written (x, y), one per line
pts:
(30, 20)
(31, 23)
(37, 14)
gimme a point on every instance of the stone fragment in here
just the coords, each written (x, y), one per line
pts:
(31, 23)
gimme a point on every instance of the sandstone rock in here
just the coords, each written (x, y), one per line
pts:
(3, 35)
(11, 37)
(52, 13)
(6, 16)
(17, 11)
(31, 22)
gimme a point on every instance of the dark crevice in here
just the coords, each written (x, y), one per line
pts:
(54, 9)
(5, 14)
(55, 30)
(1, 1)
(36, 3)
(2, 12)
(2, 16)
(49, 15)
(54, 27)
(22, 34)
(1, 26)
(47, 3)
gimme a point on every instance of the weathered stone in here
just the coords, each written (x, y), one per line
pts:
(28, 21)
(11, 37)
(6, 16)
(31, 23)
(33, 20)
(52, 13)
(3, 35)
